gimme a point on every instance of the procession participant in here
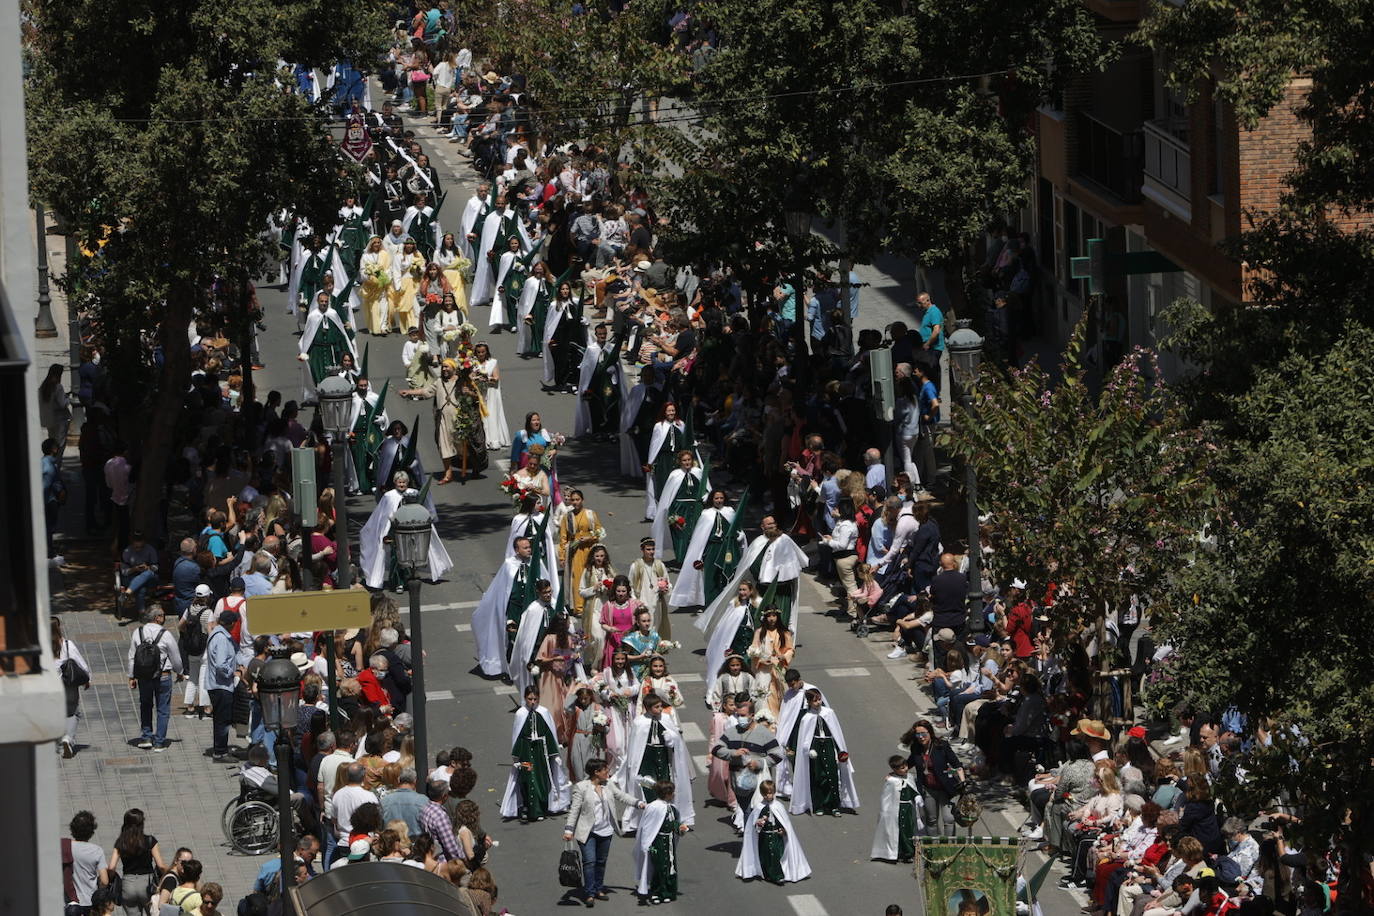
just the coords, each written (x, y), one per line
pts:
(504, 600)
(406, 271)
(718, 768)
(563, 340)
(732, 681)
(422, 224)
(669, 437)
(620, 614)
(393, 196)
(656, 846)
(772, 651)
(658, 681)
(392, 453)
(899, 814)
(650, 583)
(375, 267)
(618, 689)
(772, 851)
(537, 785)
(793, 702)
(696, 585)
(749, 747)
(595, 589)
(470, 222)
(531, 311)
(447, 392)
(511, 276)
(531, 433)
(531, 476)
(323, 343)
(822, 776)
(489, 383)
(775, 562)
(367, 418)
(638, 411)
(484, 282)
(394, 242)
(643, 641)
(527, 523)
(350, 235)
(681, 489)
(445, 326)
(588, 725)
(654, 753)
(558, 660)
(455, 266)
(733, 633)
(310, 259)
(529, 636)
(578, 531)
(377, 533)
(598, 389)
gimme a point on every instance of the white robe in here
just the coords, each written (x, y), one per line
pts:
(651, 820)
(312, 327)
(560, 793)
(466, 223)
(801, 772)
(793, 702)
(500, 318)
(644, 587)
(412, 212)
(489, 619)
(659, 529)
(794, 864)
(526, 643)
(483, 283)
(885, 836)
(631, 399)
(656, 443)
(783, 560)
(560, 310)
(719, 644)
(690, 589)
(627, 777)
(372, 548)
(341, 278)
(582, 415)
(524, 308)
(394, 244)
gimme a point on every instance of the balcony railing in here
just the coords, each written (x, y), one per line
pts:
(1168, 161)
(1110, 158)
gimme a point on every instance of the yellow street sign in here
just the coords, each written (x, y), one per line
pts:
(300, 612)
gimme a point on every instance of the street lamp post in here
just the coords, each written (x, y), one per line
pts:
(965, 347)
(279, 687)
(410, 532)
(336, 410)
(798, 221)
(43, 325)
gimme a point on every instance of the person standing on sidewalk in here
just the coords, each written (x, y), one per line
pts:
(83, 865)
(54, 498)
(592, 823)
(117, 471)
(221, 664)
(154, 662)
(76, 674)
(141, 858)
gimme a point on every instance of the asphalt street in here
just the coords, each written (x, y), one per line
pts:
(873, 697)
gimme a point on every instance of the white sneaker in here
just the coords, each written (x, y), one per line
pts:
(897, 652)
(1037, 834)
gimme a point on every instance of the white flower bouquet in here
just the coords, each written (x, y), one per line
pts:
(667, 645)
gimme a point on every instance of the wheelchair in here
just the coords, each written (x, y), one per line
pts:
(250, 821)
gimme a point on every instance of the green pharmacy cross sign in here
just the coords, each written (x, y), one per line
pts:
(1098, 263)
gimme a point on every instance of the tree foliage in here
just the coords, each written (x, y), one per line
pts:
(164, 132)
(1100, 491)
(905, 122)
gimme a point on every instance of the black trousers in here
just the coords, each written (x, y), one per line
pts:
(222, 713)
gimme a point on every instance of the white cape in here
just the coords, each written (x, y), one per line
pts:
(483, 280)
(560, 794)
(466, 223)
(794, 864)
(793, 702)
(627, 777)
(801, 773)
(885, 836)
(489, 619)
(719, 644)
(650, 821)
(631, 400)
(656, 442)
(582, 416)
(525, 646)
(524, 308)
(690, 590)
(560, 310)
(372, 549)
(549, 567)
(782, 560)
(659, 529)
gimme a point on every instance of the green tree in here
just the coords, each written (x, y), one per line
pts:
(1100, 491)
(906, 123)
(169, 126)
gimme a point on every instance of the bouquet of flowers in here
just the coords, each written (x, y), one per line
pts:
(376, 275)
(449, 335)
(557, 440)
(620, 702)
(755, 652)
(667, 645)
(416, 267)
(462, 265)
(765, 716)
(662, 585)
(598, 534)
(607, 584)
(510, 487)
(433, 299)
(467, 329)
(678, 522)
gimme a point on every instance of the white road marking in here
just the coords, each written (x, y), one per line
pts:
(462, 627)
(503, 690)
(847, 672)
(692, 732)
(690, 677)
(438, 694)
(806, 905)
(450, 606)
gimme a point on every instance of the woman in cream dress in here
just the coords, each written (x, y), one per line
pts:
(455, 267)
(406, 273)
(498, 433)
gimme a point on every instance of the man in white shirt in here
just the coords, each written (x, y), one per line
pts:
(155, 685)
(87, 860)
(349, 799)
(341, 754)
(875, 472)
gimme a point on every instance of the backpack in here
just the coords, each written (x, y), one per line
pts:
(193, 635)
(147, 657)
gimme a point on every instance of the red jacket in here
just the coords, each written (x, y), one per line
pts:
(1019, 629)
(374, 694)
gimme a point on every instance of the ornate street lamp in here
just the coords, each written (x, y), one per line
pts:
(279, 691)
(336, 410)
(411, 528)
(965, 348)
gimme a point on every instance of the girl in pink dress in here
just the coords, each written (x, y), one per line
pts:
(617, 617)
(717, 770)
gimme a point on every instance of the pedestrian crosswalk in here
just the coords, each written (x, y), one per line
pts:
(806, 905)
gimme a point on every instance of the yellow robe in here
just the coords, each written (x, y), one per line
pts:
(576, 538)
(374, 292)
(403, 293)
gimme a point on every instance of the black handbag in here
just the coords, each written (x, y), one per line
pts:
(570, 866)
(73, 675)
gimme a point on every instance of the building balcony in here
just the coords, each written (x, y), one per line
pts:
(1168, 171)
(1109, 158)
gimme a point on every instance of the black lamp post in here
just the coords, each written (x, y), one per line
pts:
(336, 410)
(410, 533)
(797, 217)
(43, 325)
(965, 348)
(279, 689)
